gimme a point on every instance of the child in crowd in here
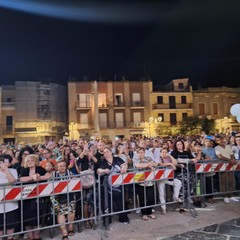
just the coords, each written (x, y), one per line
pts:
(49, 167)
(64, 204)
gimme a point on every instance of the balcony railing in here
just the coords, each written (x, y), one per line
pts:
(137, 104)
(177, 106)
(122, 104)
(79, 105)
(8, 104)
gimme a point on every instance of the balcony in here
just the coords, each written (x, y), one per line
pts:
(137, 104)
(82, 106)
(166, 106)
(8, 104)
(120, 105)
(103, 105)
(137, 125)
(82, 126)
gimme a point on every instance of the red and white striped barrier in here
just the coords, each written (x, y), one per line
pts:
(39, 190)
(216, 167)
(135, 177)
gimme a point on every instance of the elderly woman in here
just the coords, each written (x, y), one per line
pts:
(145, 190)
(114, 164)
(32, 173)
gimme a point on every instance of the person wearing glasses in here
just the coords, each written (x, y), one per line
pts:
(47, 155)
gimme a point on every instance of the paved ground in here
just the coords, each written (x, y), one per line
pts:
(217, 221)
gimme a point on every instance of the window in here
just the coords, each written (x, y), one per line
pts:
(84, 100)
(102, 102)
(136, 118)
(183, 99)
(201, 109)
(215, 108)
(8, 99)
(159, 99)
(118, 99)
(136, 99)
(46, 92)
(9, 123)
(103, 120)
(84, 120)
(172, 102)
(184, 116)
(180, 85)
(173, 118)
(161, 115)
(44, 108)
(119, 120)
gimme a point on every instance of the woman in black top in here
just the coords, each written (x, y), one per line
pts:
(29, 174)
(114, 164)
(87, 162)
(181, 171)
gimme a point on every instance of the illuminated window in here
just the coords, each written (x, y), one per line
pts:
(102, 102)
(84, 100)
(136, 99)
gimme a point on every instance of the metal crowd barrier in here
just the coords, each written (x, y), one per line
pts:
(104, 196)
(125, 182)
(214, 178)
(41, 193)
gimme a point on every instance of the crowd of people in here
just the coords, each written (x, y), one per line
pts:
(65, 159)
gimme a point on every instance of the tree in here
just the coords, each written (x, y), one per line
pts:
(193, 125)
(208, 125)
(190, 126)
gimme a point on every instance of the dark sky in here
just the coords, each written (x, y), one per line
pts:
(163, 40)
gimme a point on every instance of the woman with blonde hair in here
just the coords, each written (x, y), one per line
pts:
(32, 173)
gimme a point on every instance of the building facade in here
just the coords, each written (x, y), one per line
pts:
(33, 111)
(215, 103)
(128, 108)
(108, 109)
(173, 103)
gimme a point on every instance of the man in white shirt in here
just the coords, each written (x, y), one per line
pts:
(227, 179)
(156, 149)
(148, 153)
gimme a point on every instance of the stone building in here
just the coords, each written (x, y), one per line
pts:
(215, 103)
(33, 111)
(172, 103)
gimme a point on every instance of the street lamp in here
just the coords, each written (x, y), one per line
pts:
(152, 121)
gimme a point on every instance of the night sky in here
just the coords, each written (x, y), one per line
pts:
(161, 40)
